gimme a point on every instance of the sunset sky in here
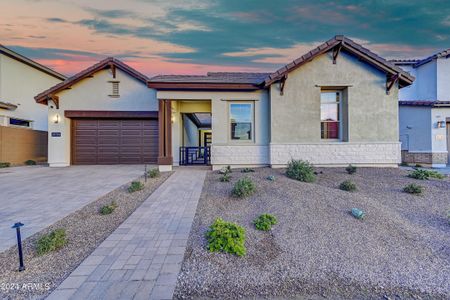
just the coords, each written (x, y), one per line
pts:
(196, 36)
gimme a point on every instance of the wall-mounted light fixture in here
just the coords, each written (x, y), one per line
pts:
(56, 119)
(440, 124)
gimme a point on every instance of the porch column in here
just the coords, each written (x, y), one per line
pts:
(165, 158)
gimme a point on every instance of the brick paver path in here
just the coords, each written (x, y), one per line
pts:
(141, 259)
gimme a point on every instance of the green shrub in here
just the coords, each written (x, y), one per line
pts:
(348, 186)
(271, 178)
(226, 237)
(30, 162)
(244, 187)
(418, 166)
(53, 241)
(247, 170)
(300, 170)
(264, 222)
(135, 186)
(225, 177)
(351, 169)
(5, 164)
(425, 174)
(153, 173)
(413, 189)
(108, 209)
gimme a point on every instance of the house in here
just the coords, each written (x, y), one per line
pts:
(334, 106)
(425, 111)
(23, 122)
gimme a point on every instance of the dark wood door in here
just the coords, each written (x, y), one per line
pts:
(107, 142)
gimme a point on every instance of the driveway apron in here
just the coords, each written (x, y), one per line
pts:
(141, 259)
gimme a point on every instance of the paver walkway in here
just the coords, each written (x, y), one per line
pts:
(141, 259)
(39, 196)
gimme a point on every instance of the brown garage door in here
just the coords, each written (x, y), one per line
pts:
(106, 142)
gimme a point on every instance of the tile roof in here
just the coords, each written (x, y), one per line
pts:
(418, 62)
(106, 63)
(213, 77)
(430, 103)
(14, 55)
(347, 45)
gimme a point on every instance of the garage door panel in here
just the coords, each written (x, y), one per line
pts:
(115, 141)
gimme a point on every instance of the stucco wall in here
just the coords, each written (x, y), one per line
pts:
(190, 132)
(18, 145)
(409, 92)
(220, 123)
(415, 128)
(372, 115)
(19, 83)
(439, 135)
(92, 94)
(443, 79)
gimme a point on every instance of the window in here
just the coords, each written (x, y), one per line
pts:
(19, 122)
(115, 89)
(241, 121)
(330, 115)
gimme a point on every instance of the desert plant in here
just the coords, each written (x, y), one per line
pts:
(425, 174)
(247, 170)
(348, 186)
(225, 177)
(357, 213)
(5, 164)
(300, 170)
(271, 178)
(244, 187)
(51, 242)
(135, 186)
(30, 162)
(351, 169)
(264, 222)
(225, 170)
(418, 166)
(226, 237)
(153, 173)
(108, 208)
(413, 189)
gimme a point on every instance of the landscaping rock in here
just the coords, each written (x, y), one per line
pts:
(316, 251)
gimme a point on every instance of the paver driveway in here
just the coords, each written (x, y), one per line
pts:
(141, 259)
(39, 196)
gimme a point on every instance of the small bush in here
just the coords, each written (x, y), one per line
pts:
(53, 241)
(226, 237)
(348, 186)
(264, 222)
(244, 187)
(153, 173)
(5, 164)
(30, 162)
(413, 189)
(350, 169)
(108, 209)
(425, 174)
(225, 177)
(418, 166)
(300, 170)
(225, 170)
(247, 170)
(135, 186)
(271, 178)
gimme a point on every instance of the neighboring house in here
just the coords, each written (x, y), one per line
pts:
(334, 106)
(425, 111)
(23, 122)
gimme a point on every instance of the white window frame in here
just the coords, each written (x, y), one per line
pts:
(339, 139)
(252, 139)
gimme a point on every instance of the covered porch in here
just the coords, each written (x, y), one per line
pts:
(186, 133)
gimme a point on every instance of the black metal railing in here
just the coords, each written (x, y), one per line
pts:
(195, 156)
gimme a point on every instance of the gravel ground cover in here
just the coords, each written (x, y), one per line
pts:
(85, 229)
(318, 250)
